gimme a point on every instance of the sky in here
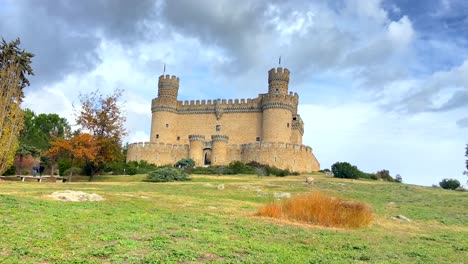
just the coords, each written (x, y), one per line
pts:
(383, 84)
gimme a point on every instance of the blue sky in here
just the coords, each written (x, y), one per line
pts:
(382, 84)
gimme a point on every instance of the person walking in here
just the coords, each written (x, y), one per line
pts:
(35, 170)
(41, 169)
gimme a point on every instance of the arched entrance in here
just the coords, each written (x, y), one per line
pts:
(207, 156)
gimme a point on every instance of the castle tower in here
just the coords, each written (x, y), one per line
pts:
(168, 88)
(196, 148)
(219, 145)
(163, 108)
(277, 108)
(278, 81)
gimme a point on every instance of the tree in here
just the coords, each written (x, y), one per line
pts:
(449, 184)
(398, 178)
(102, 117)
(345, 170)
(384, 175)
(40, 129)
(14, 66)
(80, 147)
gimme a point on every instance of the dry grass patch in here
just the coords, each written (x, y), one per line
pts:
(319, 209)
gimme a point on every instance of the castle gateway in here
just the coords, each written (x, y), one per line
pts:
(266, 129)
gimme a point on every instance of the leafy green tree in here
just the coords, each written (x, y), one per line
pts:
(345, 170)
(14, 66)
(398, 178)
(39, 130)
(449, 184)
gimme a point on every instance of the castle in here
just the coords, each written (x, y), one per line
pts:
(266, 129)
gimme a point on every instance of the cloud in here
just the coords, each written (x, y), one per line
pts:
(64, 36)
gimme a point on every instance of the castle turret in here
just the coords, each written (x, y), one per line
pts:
(278, 107)
(164, 112)
(278, 81)
(219, 144)
(168, 88)
(196, 148)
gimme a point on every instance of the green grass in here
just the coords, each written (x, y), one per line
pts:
(194, 222)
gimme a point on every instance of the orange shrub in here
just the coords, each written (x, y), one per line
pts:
(320, 209)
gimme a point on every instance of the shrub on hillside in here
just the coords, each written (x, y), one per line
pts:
(184, 163)
(384, 175)
(212, 170)
(449, 184)
(238, 167)
(167, 174)
(316, 208)
(345, 170)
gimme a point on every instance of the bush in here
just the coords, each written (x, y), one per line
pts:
(449, 184)
(384, 175)
(167, 174)
(345, 170)
(316, 208)
(212, 170)
(238, 167)
(10, 171)
(63, 165)
(184, 163)
(72, 170)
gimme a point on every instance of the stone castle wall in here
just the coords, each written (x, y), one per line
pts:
(286, 156)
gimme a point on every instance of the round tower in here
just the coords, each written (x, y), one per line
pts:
(196, 148)
(277, 108)
(219, 145)
(278, 81)
(164, 111)
(168, 88)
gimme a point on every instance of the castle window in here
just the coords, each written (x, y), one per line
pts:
(257, 139)
(294, 118)
(167, 125)
(288, 124)
(218, 127)
(178, 138)
(275, 158)
(157, 135)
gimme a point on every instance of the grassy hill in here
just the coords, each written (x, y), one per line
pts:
(194, 222)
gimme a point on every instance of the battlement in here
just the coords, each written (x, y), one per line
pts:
(222, 138)
(196, 138)
(278, 74)
(152, 145)
(273, 145)
(167, 79)
(280, 101)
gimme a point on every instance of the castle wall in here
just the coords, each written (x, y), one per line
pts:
(239, 127)
(282, 155)
(157, 153)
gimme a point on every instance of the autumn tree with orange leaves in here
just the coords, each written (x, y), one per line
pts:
(102, 119)
(81, 147)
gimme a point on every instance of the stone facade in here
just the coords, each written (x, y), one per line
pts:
(266, 129)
